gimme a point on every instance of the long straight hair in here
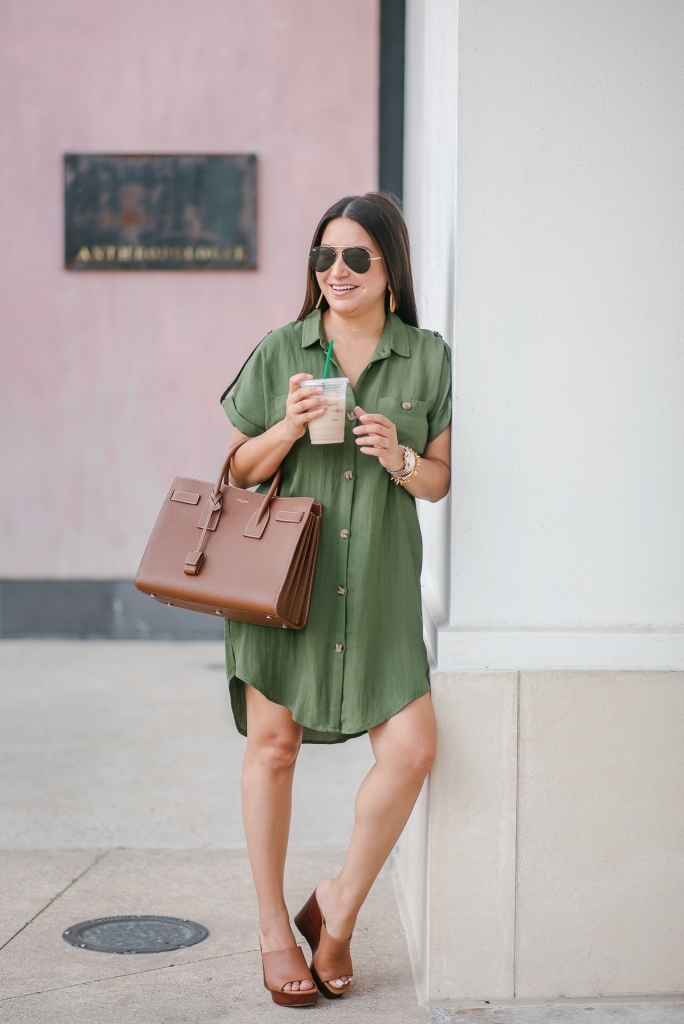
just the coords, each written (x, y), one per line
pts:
(379, 214)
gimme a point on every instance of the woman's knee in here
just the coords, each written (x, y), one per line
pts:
(275, 752)
(407, 743)
(273, 737)
(414, 759)
(421, 755)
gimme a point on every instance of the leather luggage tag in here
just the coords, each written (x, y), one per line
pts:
(186, 497)
(193, 563)
(289, 517)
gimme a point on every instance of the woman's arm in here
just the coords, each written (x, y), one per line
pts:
(378, 437)
(259, 458)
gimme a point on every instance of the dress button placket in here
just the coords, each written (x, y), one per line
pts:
(348, 454)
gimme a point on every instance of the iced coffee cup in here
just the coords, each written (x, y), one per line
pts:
(329, 428)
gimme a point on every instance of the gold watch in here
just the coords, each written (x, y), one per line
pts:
(411, 466)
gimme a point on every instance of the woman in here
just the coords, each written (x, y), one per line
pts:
(360, 664)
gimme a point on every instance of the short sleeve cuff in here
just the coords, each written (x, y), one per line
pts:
(440, 422)
(239, 421)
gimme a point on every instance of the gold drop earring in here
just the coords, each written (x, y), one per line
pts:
(392, 302)
(320, 299)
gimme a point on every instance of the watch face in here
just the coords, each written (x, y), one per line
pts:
(409, 459)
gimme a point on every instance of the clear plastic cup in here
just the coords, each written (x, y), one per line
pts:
(329, 428)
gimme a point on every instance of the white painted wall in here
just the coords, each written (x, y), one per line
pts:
(561, 283)
(545, 174)
(430, 205)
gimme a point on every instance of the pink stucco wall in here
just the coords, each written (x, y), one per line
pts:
(109, 383)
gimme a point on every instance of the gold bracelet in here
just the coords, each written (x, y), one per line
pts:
(414, 469)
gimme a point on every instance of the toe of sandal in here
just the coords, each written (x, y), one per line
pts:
(332, 960)
(283, 967)
(331, 957)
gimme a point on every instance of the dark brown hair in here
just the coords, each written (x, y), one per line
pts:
(380, 215)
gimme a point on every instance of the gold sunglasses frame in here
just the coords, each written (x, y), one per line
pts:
(339, 250)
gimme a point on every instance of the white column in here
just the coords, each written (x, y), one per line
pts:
(545, 198)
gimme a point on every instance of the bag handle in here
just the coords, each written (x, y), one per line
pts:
(256, 525)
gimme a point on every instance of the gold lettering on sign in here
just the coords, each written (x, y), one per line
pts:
(159, 253)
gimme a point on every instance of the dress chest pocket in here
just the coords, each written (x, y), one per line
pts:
(410, 418)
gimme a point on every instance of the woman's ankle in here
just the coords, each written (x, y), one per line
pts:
(337, 907)
(275, 932)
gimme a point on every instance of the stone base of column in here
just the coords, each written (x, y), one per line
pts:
(546, 859)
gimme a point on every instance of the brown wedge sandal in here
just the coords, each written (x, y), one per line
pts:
(330, 957)
(281, 968)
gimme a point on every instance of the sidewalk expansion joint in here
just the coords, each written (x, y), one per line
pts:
(131, 974)
(66, 888)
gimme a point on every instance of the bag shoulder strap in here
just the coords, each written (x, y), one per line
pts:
(234, 382)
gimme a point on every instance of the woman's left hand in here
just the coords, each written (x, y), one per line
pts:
(378, 437)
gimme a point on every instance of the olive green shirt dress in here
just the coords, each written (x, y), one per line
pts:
(361, 657)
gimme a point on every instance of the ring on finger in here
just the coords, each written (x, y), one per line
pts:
(386, 444)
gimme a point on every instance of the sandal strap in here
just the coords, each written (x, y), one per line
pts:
(284, 966)
(333, 957)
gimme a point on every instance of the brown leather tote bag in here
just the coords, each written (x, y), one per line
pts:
(224, 551)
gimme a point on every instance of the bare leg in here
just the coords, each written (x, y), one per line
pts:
(273, 742)
(404, 749)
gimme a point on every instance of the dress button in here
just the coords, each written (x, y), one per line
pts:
(339, 648)
(351, 416)
(406, 406)
(341, 591)
(348, 474)
(344, 534)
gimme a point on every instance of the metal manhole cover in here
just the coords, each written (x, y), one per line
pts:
(145, 933)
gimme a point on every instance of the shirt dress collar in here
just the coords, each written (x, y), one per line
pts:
(394, 337)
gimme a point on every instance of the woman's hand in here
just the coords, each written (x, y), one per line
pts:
(259, 458)
(301, 407)
(378, 437)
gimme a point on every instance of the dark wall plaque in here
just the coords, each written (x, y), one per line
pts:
(160, 212)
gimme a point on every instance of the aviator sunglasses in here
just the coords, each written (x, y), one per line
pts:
(358, 259)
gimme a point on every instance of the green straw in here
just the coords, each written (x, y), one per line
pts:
(327, 360)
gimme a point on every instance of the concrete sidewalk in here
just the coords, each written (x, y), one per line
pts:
(119, 794)
(105, 745)
(128, 743)
(46, 981)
